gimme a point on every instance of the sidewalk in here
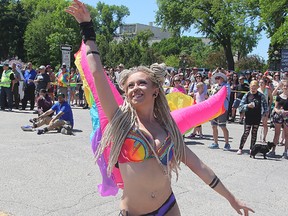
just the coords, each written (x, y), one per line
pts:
(56, 175)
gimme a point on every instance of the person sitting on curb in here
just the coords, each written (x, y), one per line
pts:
(62, 120)
(44, 102)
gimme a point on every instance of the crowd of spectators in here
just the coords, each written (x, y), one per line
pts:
(257, 98)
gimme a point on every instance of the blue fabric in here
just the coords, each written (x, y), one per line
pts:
(66, 109)
(29, 75)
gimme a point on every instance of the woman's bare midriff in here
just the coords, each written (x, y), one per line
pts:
(146, 187)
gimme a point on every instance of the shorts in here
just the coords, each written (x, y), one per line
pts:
(236, 103)
(280, 119)
(220, 120)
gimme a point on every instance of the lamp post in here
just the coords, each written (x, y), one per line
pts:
(183, 60)
(275, 59)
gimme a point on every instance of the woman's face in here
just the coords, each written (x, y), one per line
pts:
(177, 82)
(262, 83)
(198, 78)
(284, 86)
(140, 89)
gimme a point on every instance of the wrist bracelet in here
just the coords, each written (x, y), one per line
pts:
(214, 182)
(87, 31)
(93, 52)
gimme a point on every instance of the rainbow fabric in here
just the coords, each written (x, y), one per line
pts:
(186, 118)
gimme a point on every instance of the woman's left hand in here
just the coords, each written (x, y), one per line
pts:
(79, 11)
(240, 207)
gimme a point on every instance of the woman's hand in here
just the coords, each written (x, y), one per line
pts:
(240, 207)
(79, 11)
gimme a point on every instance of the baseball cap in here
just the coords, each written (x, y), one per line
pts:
(42, 67)
(61, 95)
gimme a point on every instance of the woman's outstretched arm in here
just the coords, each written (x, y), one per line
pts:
(79, 11)
(209, 177)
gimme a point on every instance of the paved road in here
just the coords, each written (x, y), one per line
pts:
(55, 175)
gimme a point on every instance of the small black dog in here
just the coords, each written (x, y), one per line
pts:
(264, 149)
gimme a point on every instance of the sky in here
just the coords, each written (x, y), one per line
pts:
(144, 11)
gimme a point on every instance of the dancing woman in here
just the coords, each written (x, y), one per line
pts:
(145, 141)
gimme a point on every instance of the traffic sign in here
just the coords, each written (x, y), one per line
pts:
(66, 47)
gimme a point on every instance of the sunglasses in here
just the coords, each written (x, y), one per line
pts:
(198, 76)
(176, 80)
(216, 78)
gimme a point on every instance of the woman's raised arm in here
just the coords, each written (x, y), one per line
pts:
(79, 11)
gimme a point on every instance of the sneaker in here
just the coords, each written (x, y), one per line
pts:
(213, 146)
(40, 131)
(66, 131)
(239, 152)
(285, 155)
(27, 128)
(191, 136)
(227, 147)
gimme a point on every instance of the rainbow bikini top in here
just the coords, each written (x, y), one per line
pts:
(136, 149)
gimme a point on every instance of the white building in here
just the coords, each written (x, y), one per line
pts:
(131, 30)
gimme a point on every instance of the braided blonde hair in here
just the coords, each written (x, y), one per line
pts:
(126, 118)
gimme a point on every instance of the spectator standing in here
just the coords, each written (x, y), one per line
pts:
(221, 82)
(6, 83)
(15, 85)
(42, 80)
(240, 89)
(280, 118)
(29, 87)
(255, 106)
(266, 91)
(52, 85)
(62, 78)
(199, 97)
(177, 87)
(73, 85)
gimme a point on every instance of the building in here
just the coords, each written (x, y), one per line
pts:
(131, 30)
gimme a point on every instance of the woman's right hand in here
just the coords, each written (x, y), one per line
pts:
(79, 11)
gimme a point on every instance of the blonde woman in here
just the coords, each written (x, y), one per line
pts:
(144, 119)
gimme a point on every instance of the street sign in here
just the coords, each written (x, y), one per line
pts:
(66, 47)
(66, 58)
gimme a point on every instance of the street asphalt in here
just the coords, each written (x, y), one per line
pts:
(55, 175)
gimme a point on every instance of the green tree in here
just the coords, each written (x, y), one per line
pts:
(13, 21)
(274, 17)
(109, 18)
(218, 20)
(251, 62)
(194, 48)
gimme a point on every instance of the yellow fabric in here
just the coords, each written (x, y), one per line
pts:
(178, 100)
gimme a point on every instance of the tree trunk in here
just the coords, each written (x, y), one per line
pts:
(229, 55)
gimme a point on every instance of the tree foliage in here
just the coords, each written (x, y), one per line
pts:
(274, 17)
(13, 21)
(251, 62)
(219, 20)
